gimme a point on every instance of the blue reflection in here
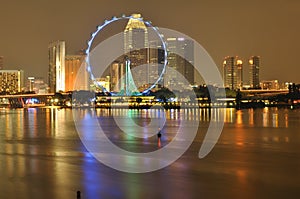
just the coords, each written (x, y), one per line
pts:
(98, 180)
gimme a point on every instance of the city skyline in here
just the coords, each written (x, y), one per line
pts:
(270, 32)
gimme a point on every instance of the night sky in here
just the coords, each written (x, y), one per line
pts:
(268, 28)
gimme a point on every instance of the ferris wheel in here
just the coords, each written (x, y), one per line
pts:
(148, 24)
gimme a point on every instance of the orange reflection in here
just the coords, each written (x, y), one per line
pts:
(239, 119)
(242, 176)
(229, 115)
(240, 143)
(286, 119)
(275, 120)
(159, 142)
(251, 117)
(265, 117)
(19, 126)
(287, 139)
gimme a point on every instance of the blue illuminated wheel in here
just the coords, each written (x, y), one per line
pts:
(114, 19)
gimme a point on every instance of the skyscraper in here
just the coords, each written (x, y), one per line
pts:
(180, 59)
(239, 76)
(156, 61)
(233, 72)
(254, 64)
(56, 66)
(74, 72)
(136, 49)
(135, 34)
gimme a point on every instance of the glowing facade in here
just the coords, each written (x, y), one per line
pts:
(73, 65)
(233, 73)
(11, 81)
(56, 74)
(254, 64)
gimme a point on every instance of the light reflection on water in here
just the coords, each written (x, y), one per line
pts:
(266, 117)
(41, 156)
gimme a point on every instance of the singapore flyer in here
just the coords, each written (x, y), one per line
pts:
(106, 23)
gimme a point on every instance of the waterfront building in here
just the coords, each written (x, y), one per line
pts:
(56, 74)
(180, 63)
(11, 81)
(269, 84)
(254, 65)
(75, 72)
(233, 72)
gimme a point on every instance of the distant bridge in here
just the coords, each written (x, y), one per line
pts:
(260, 91)
(264, 92)
(27, 95)
(23, 100)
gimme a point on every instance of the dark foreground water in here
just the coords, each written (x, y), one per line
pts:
(257, 156)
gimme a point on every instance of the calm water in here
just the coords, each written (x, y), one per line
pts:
(257, 156)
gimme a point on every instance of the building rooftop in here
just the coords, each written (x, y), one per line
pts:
(135, 23)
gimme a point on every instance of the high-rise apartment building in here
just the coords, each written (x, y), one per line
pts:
(254, 64)
(56, 74)
(11, 81)
(233, 72)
